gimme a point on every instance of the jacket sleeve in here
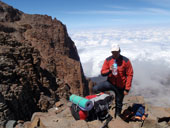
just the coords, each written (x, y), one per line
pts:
(105, 69)
(129, 76)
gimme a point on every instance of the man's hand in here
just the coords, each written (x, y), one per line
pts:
(111, 68)
(125, 92)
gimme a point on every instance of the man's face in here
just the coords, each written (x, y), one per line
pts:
(115, 54)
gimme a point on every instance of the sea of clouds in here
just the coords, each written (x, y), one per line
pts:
(147, 48)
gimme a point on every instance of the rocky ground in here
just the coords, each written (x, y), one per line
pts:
(60, 117)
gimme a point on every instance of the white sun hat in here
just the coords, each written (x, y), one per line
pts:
(115, 47)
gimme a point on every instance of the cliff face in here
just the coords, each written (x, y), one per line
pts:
(39, 64)
(58, 52)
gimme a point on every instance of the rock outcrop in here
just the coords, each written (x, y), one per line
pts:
(39, 64)
(49, 36)
(24, 86)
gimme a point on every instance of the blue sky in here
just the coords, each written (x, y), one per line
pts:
(99, 13)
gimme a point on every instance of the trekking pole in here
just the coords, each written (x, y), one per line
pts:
(143, 120)
(142, 123)
(107, 122)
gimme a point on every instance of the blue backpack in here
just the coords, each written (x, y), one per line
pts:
(135, 113)
(138, 110)
(139, 113)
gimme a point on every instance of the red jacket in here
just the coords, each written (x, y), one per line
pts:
(125, 72)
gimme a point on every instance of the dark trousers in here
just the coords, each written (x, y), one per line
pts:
(119, 93)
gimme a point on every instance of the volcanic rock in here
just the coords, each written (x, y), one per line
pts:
(39, 64)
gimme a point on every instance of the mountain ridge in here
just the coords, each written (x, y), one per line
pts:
(39, 65)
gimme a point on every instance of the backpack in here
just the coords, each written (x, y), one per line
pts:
(139, 111)
(134, 113)
(77, 113)
(101, 106)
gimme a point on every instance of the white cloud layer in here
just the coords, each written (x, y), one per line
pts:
(147, 48)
